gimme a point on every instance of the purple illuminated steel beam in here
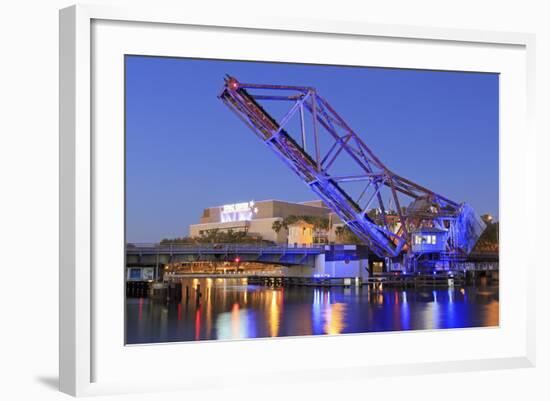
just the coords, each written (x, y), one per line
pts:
(304, 166)
(315, 170)
(366, 162)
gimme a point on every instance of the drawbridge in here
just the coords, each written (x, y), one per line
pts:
(380, 207)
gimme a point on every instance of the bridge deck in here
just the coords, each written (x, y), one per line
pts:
(153, 254)
(144, 249)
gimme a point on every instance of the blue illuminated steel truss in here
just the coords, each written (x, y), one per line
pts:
(316, 118)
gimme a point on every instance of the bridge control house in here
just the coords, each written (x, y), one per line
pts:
(257, 218)
(429, 239)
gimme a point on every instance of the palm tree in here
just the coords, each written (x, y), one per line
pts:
(277, 226)
(339, 231)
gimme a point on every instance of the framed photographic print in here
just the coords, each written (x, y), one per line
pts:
(271, 188)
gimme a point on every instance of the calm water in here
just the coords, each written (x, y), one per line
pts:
(229, 309)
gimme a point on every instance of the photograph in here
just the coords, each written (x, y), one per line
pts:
(268, 199)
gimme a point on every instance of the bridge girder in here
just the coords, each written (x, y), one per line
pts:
(343, 171)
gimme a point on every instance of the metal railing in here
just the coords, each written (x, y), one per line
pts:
(221, 247)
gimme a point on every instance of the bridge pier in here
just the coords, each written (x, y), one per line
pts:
(338, 269)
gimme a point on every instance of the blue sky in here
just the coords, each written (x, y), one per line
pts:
(185, 150)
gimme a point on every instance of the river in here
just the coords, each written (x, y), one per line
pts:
(231, 309)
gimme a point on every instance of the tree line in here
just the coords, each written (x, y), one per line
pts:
(214, 236)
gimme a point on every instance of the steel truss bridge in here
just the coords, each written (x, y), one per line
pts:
(315, 142)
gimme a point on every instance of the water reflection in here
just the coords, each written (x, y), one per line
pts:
(230, 309)
(404, 312)
(234, 324)
(334, 317)
(274, 315)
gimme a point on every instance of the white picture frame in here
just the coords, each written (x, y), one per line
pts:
(82, 345)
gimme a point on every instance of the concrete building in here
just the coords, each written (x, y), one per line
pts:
(300, 234)
(257, 218)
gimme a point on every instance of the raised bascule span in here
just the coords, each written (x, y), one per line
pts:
(315, 142)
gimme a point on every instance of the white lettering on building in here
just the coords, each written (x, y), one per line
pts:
(238, 212)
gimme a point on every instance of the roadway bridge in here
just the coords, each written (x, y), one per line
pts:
(145, 261)
(141, 255)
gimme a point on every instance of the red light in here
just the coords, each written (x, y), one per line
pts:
(237, 259)
(233, 84)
